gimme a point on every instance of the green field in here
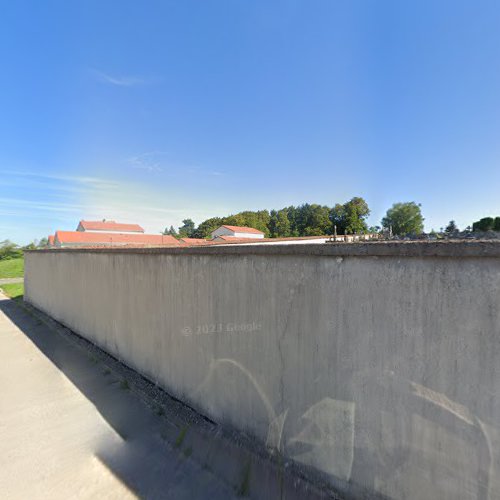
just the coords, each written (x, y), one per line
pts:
(12, 268)
(13, 290)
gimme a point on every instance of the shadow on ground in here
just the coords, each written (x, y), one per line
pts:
(150, 460)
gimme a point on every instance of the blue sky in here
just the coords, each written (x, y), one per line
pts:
(154, 111)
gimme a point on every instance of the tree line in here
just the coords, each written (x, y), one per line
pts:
(311, 220)
(487, 224)
(9, 250)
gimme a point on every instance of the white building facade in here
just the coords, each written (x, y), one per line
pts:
(237, 232)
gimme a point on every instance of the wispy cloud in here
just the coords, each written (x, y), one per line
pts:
(150, 161)
(58, 201)
(121, 80)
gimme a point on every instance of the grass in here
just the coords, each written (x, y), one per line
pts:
(12, 268)
(13, 290)
(244, 488)
(181, 437)
(124, 385)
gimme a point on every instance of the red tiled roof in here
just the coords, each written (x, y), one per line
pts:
(110, 225)
(195, 241)
(243, 229)
(51, 239)
(238, 239)
(114, 238)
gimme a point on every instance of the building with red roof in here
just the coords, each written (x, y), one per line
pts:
(99, 238)
(195, 241)
(108, 226)
(237, 232)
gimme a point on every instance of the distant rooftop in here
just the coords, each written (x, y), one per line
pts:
(243, 229)
(109, 225)
(195, 241)
(101, 238)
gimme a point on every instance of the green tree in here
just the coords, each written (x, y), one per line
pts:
(9, 250)
(404, 218)
(312, 220)
(350, 217)
(356, 211)
(259, 220)
(293, 215)
(206, 227)
(338, 219)
(171, 232)
(187, 229)
(279, 225)
(484, 224)
(451, 229)
(496, 224)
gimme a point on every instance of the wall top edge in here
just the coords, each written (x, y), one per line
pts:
(458, 249)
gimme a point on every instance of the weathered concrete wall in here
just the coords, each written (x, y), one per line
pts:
(376, 364)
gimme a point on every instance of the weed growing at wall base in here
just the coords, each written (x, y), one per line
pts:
(124, 385)
(181, 437)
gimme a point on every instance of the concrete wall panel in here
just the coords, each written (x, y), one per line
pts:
(377, 366)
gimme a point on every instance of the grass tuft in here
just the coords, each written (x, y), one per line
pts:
(124, 385)
(244, 487)
(181, 437)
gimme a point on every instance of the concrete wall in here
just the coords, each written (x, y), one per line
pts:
(376, 364)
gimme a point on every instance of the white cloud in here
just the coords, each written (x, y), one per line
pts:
(121, 80)
(59, 201)
(150, 161)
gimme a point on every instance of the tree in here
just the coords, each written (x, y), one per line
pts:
(259, 220)
(206, 227)
(484, 224)
(171, 232)
(43, 243)
(187, 229)
(451, 229)
(338, 219)
(350, 217)
(487, 224)
(9, 250)
(312, 220)
(404, 218)
(356, 211)
(279, 224)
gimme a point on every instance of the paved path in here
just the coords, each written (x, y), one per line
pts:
(7, 281)
(70, 429)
